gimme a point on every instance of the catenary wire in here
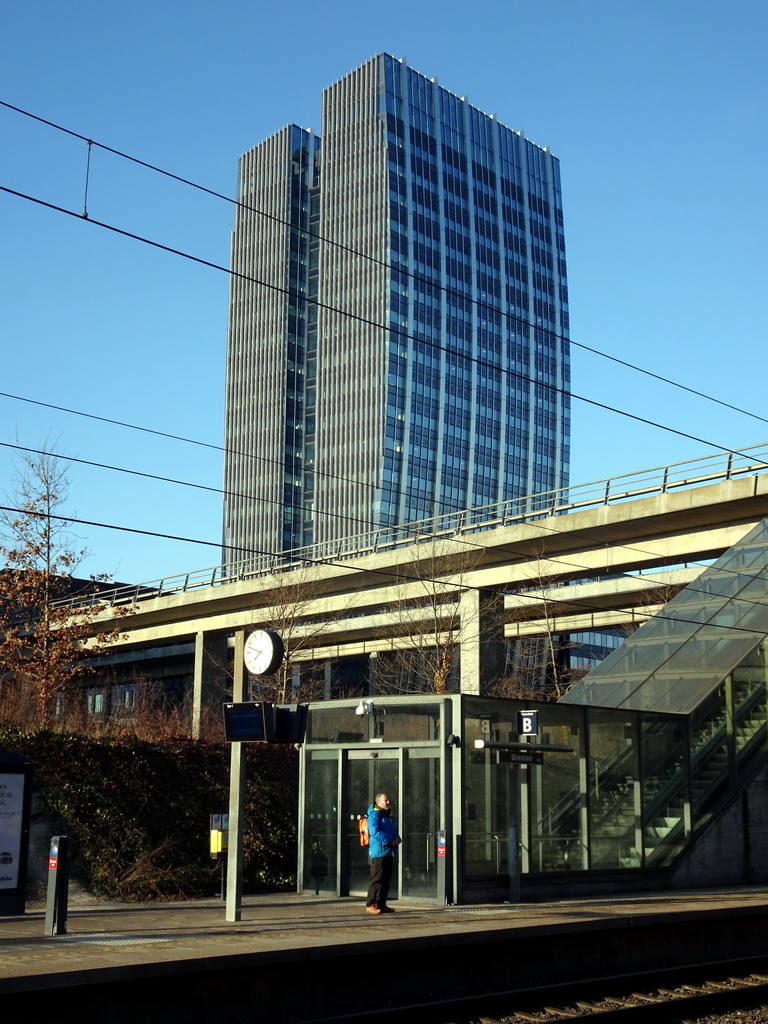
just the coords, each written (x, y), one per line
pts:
(354, 316)
(226, 270)
(364, 320)
(646, 576)
(388, 574)
(160, 478)
(360, 255)
(90, 142)
(463, 540)
(186, 181)
(366, 256)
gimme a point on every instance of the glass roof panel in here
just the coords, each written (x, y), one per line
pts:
(679, 657)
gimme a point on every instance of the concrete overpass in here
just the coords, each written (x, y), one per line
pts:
(586, 559)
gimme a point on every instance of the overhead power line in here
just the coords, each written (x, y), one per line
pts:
(341, 312)
(388, 574)
(364, 320)
(305, 553)
(317, 470)
(164, 479)
(366, 256)
(208, 445)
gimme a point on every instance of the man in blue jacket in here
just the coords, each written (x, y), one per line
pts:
(384, 839)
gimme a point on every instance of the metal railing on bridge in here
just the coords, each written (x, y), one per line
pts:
(615, 490)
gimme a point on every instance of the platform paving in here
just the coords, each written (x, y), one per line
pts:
(301, 951)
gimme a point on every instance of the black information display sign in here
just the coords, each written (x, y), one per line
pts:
(248, 722)
(519, 757)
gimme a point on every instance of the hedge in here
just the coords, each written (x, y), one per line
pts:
(137, 813)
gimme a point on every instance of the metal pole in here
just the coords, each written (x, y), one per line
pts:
(236, 796)
(513, 823)
(58, 887)
(563, 748)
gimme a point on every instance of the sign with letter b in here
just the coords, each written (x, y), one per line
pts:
(527, 723)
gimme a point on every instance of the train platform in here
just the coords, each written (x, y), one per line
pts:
(294, 958)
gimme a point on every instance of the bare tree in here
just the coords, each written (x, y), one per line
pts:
(292, 613)
(42, 639)
(654, 590)
(538, 664)
(425, 629)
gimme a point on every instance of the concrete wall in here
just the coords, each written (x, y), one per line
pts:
(732, 849)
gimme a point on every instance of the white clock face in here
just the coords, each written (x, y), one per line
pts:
(263, 652)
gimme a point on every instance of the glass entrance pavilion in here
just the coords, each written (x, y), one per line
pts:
(665, 733)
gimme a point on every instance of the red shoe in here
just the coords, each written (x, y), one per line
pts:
(386, 910)
(373, 909)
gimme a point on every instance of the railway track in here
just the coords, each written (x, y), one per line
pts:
(662, 997)
(681, 1001)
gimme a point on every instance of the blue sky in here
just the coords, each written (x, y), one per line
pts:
(657, 111)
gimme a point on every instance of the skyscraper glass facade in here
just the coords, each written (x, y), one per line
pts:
(398, 338)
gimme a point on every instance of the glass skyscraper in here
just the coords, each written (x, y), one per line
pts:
(398, 323)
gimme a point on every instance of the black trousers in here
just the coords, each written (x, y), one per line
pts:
(381, 876)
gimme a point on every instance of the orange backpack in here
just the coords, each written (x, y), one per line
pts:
(362, 828)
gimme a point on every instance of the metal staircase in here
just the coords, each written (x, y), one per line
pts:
(648, 821)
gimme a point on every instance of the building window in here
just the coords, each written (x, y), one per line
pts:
(124, 699)
(95, 702)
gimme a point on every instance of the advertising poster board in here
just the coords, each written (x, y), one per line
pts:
(11, 827)
(15, 799)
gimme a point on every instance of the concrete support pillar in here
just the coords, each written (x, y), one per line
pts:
(482, 639)
(373, 666)
(327, 678)
(295, 680)
(210, 681)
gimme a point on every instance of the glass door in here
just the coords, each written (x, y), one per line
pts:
(321, 822)
(411, 778)
(368, 773)
(419, 821)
